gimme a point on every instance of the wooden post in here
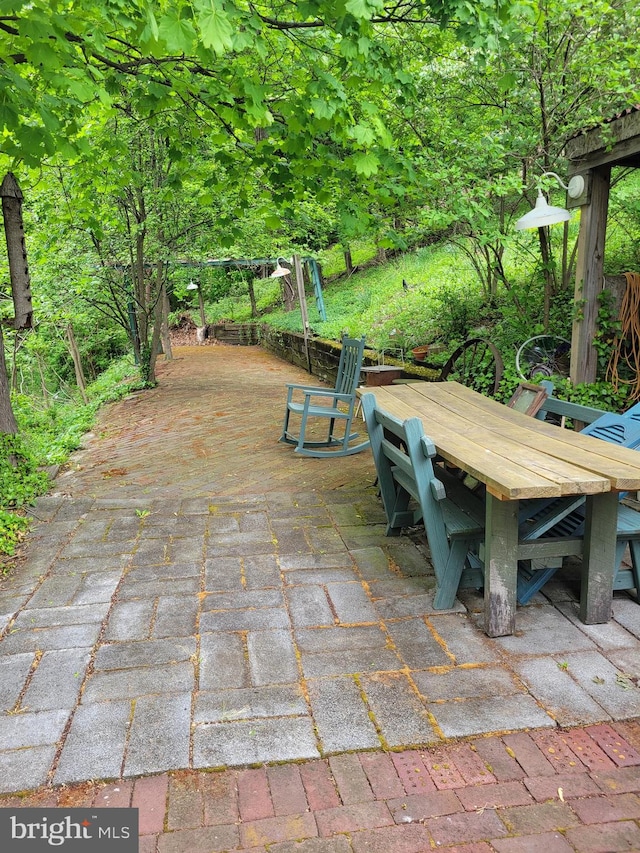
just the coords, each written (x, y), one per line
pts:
(297, 265)
(17, 252)
(500, 566)
(589, 273)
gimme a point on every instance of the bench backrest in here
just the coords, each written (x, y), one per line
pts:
(565, 409)
(403, 457)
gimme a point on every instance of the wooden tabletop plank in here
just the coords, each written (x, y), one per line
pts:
(619, 464)
(503, 478)
(515, 455)
(444, 427)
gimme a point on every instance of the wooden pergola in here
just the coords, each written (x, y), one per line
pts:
(593, 154)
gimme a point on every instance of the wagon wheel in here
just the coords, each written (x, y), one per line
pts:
(543, 355)
(477, 364)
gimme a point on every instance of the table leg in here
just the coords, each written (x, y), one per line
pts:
(599, 557)
(500, 567)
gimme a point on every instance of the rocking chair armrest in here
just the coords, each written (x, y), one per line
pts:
(293, 387)
(321, 392)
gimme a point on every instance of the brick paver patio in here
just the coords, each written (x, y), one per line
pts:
(217, 631)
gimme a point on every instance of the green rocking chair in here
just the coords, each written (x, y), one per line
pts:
(337, 405)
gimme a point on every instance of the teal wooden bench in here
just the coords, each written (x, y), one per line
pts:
(336, 405)
(565, 517)
(452, 516)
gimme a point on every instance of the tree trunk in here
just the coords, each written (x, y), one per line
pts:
(252, 297)
(164, 329)
(77, 364)
(17, 252)
(7, 419)
(348, 262)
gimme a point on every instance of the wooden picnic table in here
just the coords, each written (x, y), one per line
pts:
(520, 458)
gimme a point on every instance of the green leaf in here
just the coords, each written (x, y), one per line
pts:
(366, 163)
(215, 28)
(363, 8)
(178, 34)
(507, 81)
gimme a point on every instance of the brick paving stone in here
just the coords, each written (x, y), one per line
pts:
(477, 716)
(382, 775)
(247, 742)
(130, 620)
(527, 754)
(319, 785)
(218, 706)
(275, 829)
(352, 782)
(175, 617)
(587, 750)
(497, 795)
(308, 606)
(117, 795)
(84, 755)
(340, 844)
(442, 769)
(540, 817)
(413, 838)
(605, 838)
(572, 785)
(208, 839)
(220, 797)
(124, 655)
(13, 673)
(254, 796)
(186, 802)
(499, 759)
(550, 842)
(341, 717)
(621, 780)
(352, 818)
(465, 827)
(23, 769)
(159, 738)
(610, 741)
(463, 683)
(222, 661)
(287, 791)
(473, 769)
(150, 798)
(417, 807)
(139, 681)
(399, 713)
(556, 750)
(555, 688)
(272, 658)
(413, 774)
(605, 809)
(629, 730)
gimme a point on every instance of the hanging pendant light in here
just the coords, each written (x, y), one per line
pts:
(280, 271)
(543, 213)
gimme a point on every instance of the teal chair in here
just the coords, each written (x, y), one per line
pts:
(411, 489)
(565, 517)
(336, 405)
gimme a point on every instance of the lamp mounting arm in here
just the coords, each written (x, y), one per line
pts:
(574, 188)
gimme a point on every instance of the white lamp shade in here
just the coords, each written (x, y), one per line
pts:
(280, 271)
(192, 286)
(542, 214)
